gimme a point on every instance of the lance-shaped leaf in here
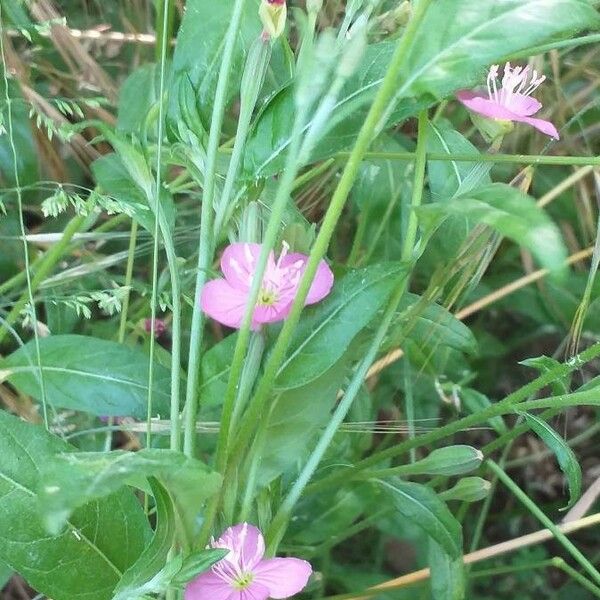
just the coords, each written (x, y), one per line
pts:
(564, 455)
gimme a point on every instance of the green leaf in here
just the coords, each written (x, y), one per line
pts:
(137, 96)
(511, 213)
(215, 367)
(199, 49)
(101, 541)
(326, 331)
(544, 364)
(89, 374)
(448, 178)
(138, 579)
(296, 417)
(5, 574)
(72, 479)
(430, 326)
(565, 456)
(27, 159)
(447, 574)
(475, 402)
(197, 563)
(113, 178)
(422, 506)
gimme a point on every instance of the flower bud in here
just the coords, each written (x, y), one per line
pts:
(452, 460)
(468, 489)
(273, 14)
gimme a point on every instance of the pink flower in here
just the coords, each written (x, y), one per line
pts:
(225, 299)
(244, 574)
(513, 101)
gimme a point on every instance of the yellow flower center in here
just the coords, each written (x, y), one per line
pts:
(243, 581)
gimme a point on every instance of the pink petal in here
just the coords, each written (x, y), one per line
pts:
(246, 543)
(255, 591)
(485, 106)
(272, 313)
(238, 264)
(208, 586)
(544, 126)
(323, 281)
(224, 303)
(284, 577)
(524, 105)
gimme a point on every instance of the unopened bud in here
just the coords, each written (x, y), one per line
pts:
(273, 14)
(468, 489)
(452, 460)
(159, 327)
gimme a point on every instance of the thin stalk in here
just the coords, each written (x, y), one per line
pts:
(205, 248)
(504, 406)
(46, 264)
(252, 82)
(124, 312)
(157, 213)
(279, 523)
(29, 297)
(385, 93)
(523, 159)
(533, 508)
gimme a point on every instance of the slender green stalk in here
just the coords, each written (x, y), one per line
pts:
(29, 297)
(504, 406)
(524, 159)
(206, 242)
(252, 82)
(46, 264)
(385, 93)
(124, 314)
(157, 212)
(128, 279)
(277, 528)
(533, 508)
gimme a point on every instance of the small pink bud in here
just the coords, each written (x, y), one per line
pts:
(273, 14)
(159, 327)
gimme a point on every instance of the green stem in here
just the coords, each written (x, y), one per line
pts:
(164, 25)
(124, 313)
(545, 521)
(504, 406)
(277, 529)
(385, 93)
(46, 264)
(206, 243)
(252, 81)
(524, 159)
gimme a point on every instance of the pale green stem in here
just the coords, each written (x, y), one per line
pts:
(206, 243)
(338, 200)
(533, 508)
(254, 75)
(503, 407)
(277, 529)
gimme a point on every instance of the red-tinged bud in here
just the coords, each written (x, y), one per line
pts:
(159, 327)
(273, 14)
